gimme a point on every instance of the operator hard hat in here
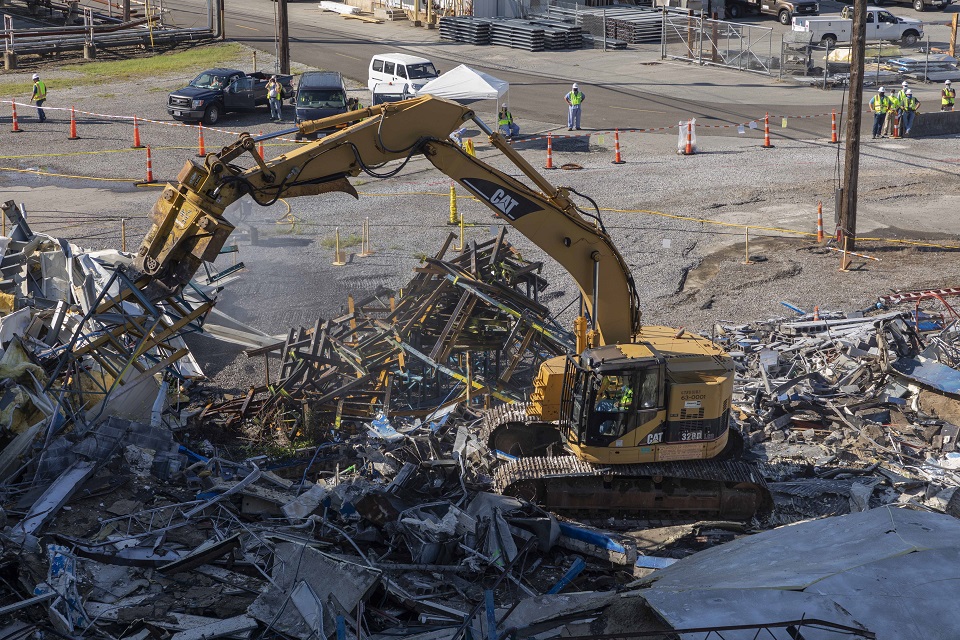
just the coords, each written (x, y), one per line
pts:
(881, 90)
(504, 105)
(909, 92)
(904, 84)
(946, 82)
(575, 86)
(36, 76)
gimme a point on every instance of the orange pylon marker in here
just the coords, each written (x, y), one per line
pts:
(816, 312)
(819, 222)
(73, 125)
(896, 126)
(16, 125)
(136, 135)
(833, 128)
(766, 132)
(260, 147)
(688, 149)
(549, 164)
(149, 179)
(616, 146)
(201, 149)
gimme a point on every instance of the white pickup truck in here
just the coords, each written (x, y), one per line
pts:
(881, 25)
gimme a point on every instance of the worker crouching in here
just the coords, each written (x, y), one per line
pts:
(506, 123)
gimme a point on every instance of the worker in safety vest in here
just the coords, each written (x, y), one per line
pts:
(39, 96)
(947, 96)
(893, 112)
(505, 122)
(909, 107)
(574, 101)
(275, 98)
(879, 105)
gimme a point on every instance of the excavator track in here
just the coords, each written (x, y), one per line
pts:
(703, 488)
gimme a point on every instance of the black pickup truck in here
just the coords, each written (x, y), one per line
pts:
(217, 91)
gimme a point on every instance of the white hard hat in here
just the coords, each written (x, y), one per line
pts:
(946, 82)
(909, 92)
(36, 76)
(575, 86)
(904, 84)
(881, 90)
(504, 105)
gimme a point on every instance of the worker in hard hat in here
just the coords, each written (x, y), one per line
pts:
(947, 96)
(908, 106)
(574, 100)
(879, 105)
(506, 123)
(893, 113)
(39, 96)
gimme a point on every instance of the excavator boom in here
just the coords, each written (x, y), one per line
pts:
(189, 228)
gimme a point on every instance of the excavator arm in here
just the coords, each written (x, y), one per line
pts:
(189, 227)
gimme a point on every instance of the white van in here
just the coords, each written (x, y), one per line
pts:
(400, 69)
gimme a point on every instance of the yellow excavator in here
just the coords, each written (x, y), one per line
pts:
(636, 422)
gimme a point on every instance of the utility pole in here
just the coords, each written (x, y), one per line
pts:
(283, 33)
(851, 159)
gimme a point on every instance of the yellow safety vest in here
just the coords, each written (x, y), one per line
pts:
(275, 90)
(910, 103)
(948, 96)
(576, 98)
(880, 104)
(39, 90)
(506, 118)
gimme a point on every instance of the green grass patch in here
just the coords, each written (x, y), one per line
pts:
(351, 240)
(185, 62)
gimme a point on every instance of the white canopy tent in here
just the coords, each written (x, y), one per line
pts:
(464, 84)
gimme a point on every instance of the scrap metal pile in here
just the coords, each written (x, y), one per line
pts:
(469, 325)
(115, 522)
(849, 412)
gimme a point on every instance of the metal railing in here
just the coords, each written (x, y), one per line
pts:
(717, 42)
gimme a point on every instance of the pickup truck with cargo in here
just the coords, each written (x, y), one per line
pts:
(218, 91)
(785, 10)
(881, 25)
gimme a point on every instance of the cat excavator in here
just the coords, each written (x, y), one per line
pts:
(636, 422)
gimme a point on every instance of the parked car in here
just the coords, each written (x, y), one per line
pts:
(402, 69)
(785, 10)
(881, 25)
(218, 91)
(320, 94)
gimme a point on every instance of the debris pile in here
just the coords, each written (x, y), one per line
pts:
(368, 510)
(466, 326)
(849, 412)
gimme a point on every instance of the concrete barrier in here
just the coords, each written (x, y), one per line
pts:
(936, 123)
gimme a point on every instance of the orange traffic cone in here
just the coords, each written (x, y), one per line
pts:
(766, 132)
(136, 135)
(260, 147)
(616, 146)
(16, 125)
(201, 149)
(819, 222)
(549, 164)
(73, 125)
(149, 179)
(688, 150)
(896, 125)
(833, 128)
(816, 312)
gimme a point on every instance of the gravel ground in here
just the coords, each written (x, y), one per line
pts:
(690, 273)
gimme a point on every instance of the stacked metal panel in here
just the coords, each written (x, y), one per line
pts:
(517, 34)
(465, 29)
(531, 35)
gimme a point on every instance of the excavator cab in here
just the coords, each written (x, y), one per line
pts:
(611, 400)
